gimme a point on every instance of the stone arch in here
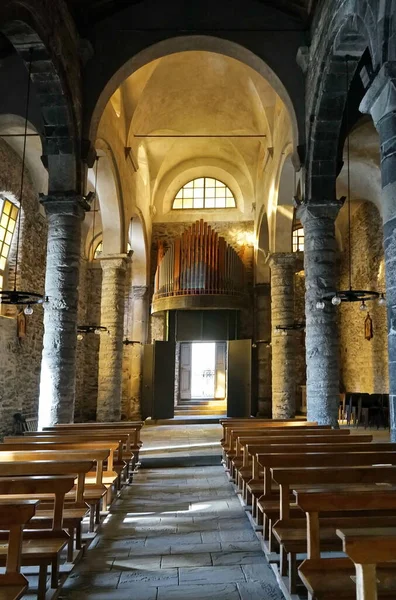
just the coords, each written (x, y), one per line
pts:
(138, 242)
(110, 199)
(189, 43)
(238, 182)
(282, 213)
(351, 32)
(262, 274)
(15, 124)
(60, 122)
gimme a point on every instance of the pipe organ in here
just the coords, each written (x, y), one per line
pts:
(199, 262)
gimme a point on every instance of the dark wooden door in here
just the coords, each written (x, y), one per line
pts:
(147, 380)
(239, 378)
(164, 380)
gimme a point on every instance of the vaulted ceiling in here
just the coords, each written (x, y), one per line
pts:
(91, 11)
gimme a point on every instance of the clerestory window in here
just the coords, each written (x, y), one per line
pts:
(204, 192)
(8, 219)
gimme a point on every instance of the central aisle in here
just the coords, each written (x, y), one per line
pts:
(175, 534)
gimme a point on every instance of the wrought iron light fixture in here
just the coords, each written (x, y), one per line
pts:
(350, 295)
(296, 326)
(128, 342)
(14, 296)
(83, 330)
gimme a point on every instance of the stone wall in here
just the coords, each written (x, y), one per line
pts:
(88, 348)
(20, 380)
(364, 363)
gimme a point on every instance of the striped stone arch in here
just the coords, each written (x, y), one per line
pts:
(353, 30)
(24, 28)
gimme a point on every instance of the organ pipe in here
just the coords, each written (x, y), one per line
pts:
(198, 262)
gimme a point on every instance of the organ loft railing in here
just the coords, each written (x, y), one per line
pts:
(198, 268)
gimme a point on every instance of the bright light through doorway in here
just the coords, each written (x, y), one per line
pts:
(203, 370)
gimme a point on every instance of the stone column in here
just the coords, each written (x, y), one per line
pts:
(111, 346)
(139, 333)
(263, 336)
(283, 267)
(321, 340)
(380, 101)
(65, 214)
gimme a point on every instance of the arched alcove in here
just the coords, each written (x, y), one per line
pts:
(262, 252)
(110, 199)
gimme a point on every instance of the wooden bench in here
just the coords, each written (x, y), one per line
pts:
(367, 548)
(133, 426)
(327, 578)
(232, 434)
(14, 515)
(133, 444)
(262, 482)
(94, 489)
(125, 452)
(232, 452)
(39, 547)
(250, 446)
(291, 533)
(253, 425)
(267, 504)
(73, 513)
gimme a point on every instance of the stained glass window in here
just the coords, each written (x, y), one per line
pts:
(204, 192)
(8, 220)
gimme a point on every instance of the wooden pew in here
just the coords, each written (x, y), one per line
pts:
(129, 437)
(123, 456)
(40, 547)
(232, 434)
(250, 446)
(259, 483)
(291, 533)
(73, 513)
(327, 578)
(367, 548)
(228, 427)
(94, 489)
(14, 515)
(232, 452)
(133, 426)
(268, 505)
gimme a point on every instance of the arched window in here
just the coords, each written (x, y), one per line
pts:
(98, 249)
(8, 219)
(204, 192)
(298, 235)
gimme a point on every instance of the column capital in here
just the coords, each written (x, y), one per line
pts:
(114, 261)
(380, 98)
(139, 292)
(319, 210)
(286, 259)
(65, 203)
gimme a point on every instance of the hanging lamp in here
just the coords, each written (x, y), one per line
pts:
(83, 330)
(350, 294)
(21, 297)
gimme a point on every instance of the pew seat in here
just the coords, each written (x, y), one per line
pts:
(14, 514)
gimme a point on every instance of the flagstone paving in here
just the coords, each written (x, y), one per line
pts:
(174, 534)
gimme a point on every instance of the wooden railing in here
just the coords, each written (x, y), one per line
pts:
(199, 262)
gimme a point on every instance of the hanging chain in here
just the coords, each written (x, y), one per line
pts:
(348, 176)
(23, 166)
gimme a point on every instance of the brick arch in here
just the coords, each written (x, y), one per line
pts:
(61, 123)
(350, 33)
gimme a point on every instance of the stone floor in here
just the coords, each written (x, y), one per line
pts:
(175, 534)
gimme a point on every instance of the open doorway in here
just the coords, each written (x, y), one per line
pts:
(202, 371)
(203, 364)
